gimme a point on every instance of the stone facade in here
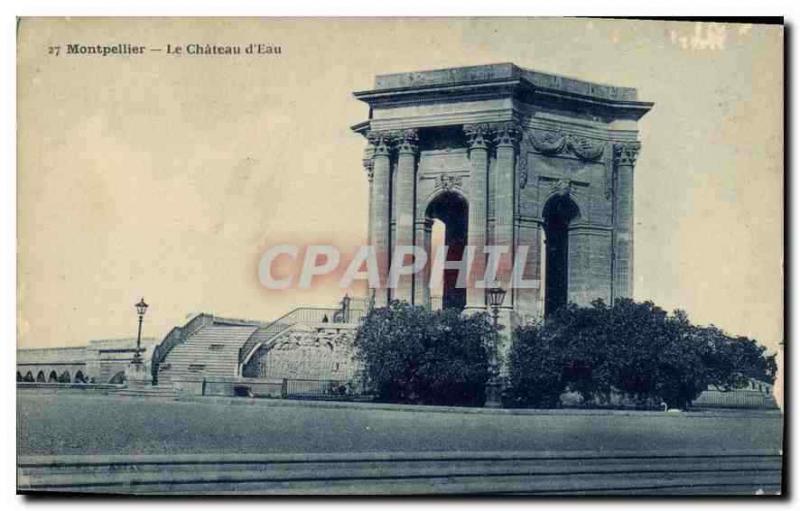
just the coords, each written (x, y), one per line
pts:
(511, 157)
(100, 361)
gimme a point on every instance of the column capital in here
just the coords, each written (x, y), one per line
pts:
(479, 136)
(507, 134)
(382, 142)
(625, 154)
(407, 141)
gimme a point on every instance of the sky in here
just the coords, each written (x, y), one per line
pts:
(166, 177)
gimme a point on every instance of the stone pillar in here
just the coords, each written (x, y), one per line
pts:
(422, 290)
(507, 138)
(579, 265)
(527, 301)
(404, 195)
(368, 170)
(138, 375)
(381, 214)
(478, 137)
(624, 159)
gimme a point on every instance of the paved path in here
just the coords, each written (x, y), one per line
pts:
(88, 424)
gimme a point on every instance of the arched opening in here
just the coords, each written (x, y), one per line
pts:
(40, 377)
(19, 376)
(28, 377)
(451, 210)
(64, 378)
(79, 378)
(118, 378)
(558, 213)
(53, 378)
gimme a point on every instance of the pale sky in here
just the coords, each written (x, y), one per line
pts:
(166, 177)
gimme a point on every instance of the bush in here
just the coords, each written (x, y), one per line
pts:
(535, 369)
(631, 349)
(412, 355)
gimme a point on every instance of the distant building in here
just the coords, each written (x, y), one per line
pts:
(100, 361)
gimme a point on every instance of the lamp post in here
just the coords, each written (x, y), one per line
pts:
(141, 308)
(496, 296)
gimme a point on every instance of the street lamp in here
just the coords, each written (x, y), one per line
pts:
(496, 296)
(141, 308)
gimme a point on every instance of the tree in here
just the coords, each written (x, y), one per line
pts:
(412, 355)
(632, 349)
(733, 362)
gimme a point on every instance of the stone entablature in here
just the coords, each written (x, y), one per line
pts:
(501, 73)
(498, 92)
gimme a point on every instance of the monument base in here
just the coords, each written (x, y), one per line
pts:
(138, 375)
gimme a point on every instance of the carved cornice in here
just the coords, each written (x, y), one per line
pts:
(555, 142)
(407, 141)
(448, 182)
(625, 154)
(562, 187)
(479, 136)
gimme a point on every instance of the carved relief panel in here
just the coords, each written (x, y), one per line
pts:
(556, 162)
(310, 353)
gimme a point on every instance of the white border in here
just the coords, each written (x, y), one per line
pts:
(11, 9)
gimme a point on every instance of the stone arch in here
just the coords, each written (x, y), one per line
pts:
(451, 207)
(53, 378)
(29, 377)
(40, 377)
(438, 192)
(64, 377)
(558, 214)
(19, 376)
(118, 378)
(79, 377)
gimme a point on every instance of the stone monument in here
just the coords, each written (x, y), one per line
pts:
(504, 156)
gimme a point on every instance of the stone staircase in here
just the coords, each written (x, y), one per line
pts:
(163, 391)
(210, 347)
(210, 352)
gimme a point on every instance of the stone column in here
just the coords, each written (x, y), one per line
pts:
(507, 138)
(624, 159)
(422, 282)
(381, 214)
(527, 301)
(404, 227)
(579, 265)
(478, 137)
(368, 170)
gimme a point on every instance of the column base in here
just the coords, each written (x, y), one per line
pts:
(137, 374)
